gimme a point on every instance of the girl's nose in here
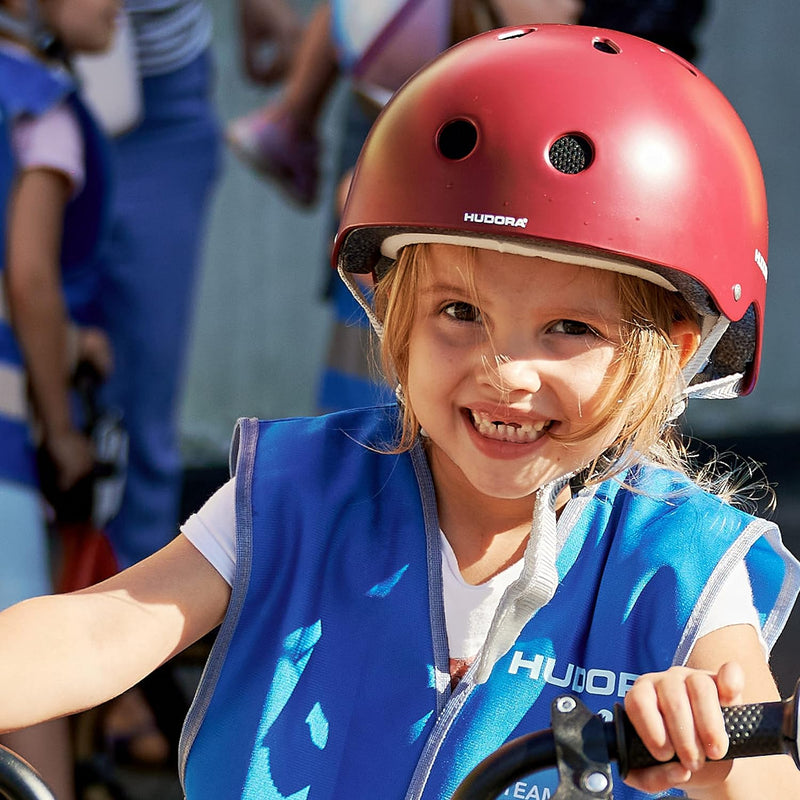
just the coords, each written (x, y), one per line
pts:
(513, 374)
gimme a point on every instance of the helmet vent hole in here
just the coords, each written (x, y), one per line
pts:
(457, 139)
(606, 46)
(571, 154)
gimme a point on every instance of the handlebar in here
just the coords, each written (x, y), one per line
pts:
(19, 780)
(582, 746)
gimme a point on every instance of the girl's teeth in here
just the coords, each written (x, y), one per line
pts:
(506, 431)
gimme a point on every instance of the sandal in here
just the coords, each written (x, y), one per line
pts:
(269, 143)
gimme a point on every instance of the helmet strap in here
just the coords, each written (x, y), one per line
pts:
(709, 340)
(358, 293)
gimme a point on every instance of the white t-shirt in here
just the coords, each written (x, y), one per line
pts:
(469, 609)
(52, 140)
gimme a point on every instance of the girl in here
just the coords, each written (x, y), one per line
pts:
(53, 192)
(559, 252)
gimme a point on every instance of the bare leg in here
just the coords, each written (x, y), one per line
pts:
(280, 139)
(313, 72)
(47, 748)
(272, 26)
(518, 12)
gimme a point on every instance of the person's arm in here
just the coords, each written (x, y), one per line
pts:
(38, 313)
(679, 711)
(520, 12)
(64, 653)
(270, 33)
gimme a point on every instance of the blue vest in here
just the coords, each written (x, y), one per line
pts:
(328, 678)
(30, 88)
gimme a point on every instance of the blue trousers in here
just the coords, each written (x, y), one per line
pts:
(165, 171)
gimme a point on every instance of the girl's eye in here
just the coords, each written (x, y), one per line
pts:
(572, 327)
(463, 312)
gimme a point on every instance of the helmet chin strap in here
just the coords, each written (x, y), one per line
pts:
(718, 389)
(352, 284)
(714, 328)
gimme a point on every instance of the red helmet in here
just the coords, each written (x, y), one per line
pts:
(574, 138)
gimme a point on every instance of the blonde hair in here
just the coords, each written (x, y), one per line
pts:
(642, 385)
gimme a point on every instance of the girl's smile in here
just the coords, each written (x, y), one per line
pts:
(507, 429)
(507, 361)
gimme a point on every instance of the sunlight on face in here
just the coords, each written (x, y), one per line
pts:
(503, 363)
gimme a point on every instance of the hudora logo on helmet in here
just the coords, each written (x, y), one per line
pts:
(495, 219)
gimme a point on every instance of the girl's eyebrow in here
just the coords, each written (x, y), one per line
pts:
(443, 287)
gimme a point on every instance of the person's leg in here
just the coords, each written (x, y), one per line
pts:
(25, 572)
(313, 73)
(279, 140)
(166, 170)
(350, 375)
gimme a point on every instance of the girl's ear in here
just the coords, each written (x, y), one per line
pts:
(685, 335)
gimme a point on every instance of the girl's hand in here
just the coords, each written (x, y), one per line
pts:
(677, 713)
(94, 346)
(72, 454)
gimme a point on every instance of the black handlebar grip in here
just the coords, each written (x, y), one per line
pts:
(757, 729)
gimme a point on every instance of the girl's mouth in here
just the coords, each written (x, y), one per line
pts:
(506, 431)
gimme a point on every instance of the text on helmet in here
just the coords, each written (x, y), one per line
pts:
(495, 219)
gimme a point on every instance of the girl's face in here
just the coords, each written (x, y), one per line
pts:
(491, 385)
(84, 26)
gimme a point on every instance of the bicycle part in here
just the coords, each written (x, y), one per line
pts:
(19, 780)
(579, 741)
(582, 756)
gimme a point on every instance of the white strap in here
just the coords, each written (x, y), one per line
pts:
(533, 589)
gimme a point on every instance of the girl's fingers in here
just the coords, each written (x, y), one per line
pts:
(658, 779)
(677, 713)
(730, 683)
(710, 735)
(642, 707)
(676, 708)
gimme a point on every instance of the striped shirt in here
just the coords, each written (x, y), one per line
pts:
(169, 34)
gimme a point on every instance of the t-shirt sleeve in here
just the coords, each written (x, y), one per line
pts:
(52, 140)
(212, 530)
(733, 605)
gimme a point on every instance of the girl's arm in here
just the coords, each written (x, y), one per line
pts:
(65, 653)
(678, 711)
(38, 314)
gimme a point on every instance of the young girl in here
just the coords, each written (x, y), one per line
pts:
(561, 255)
(53, 194)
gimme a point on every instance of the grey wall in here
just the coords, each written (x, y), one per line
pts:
(259, 336)
(750, 53)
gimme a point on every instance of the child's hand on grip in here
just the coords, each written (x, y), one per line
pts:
(678, 714)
